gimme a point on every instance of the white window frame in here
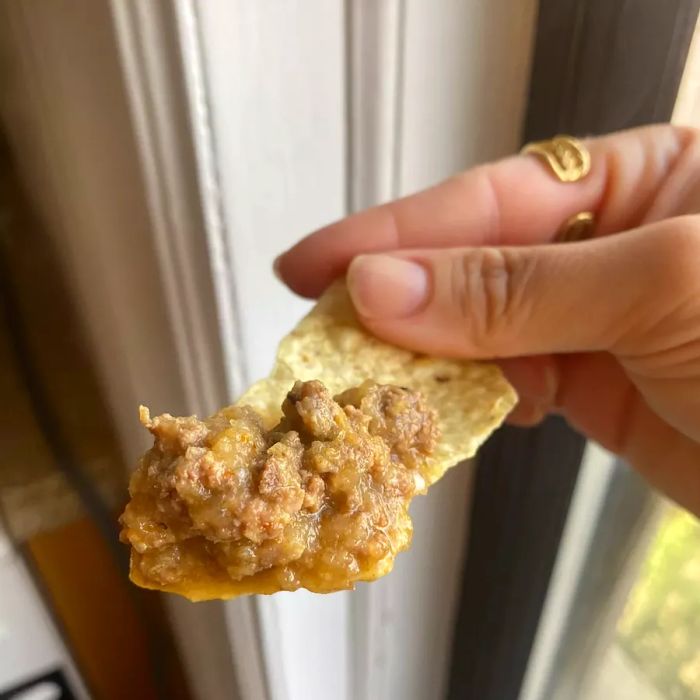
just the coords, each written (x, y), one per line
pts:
(378, 98)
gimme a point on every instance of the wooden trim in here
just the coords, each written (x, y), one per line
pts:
(443, 122)
(273, 78)
(161, 56)
(375, 58)
(417, 115)
(187, 31)
(599, 65)
(373, 34)
(155, 84)
(95, 100)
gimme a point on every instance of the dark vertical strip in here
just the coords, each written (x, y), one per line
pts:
(605, 65)
(524, 483)
(599, 66)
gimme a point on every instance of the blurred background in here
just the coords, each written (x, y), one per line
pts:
(155, 156)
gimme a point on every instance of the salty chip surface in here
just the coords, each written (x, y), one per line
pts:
(471, 398)
(308, 491)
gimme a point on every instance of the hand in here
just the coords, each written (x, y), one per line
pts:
(604, 331)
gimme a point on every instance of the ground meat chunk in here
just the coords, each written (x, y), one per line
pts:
(320, 501)
(398, 416)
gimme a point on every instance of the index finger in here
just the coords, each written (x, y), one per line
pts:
(516, 201)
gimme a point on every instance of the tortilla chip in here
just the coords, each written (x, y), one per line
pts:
(472, 398)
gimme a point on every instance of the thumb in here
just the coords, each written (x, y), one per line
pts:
(609, 293)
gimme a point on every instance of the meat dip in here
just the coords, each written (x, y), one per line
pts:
(320, 501)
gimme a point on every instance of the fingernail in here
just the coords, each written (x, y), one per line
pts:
(385, 287)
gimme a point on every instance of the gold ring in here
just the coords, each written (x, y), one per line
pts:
(576, 228)
(568, 158)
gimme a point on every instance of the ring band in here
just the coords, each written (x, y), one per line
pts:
(577, 228)
(568, 158)
(569, 161)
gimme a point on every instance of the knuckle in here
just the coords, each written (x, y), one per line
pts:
(481, 186)
(664, 339)
(488, 290)
(676, 256)
(678, 138)
(686, 136)
(681, 133)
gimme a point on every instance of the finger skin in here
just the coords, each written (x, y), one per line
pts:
(607, 336)
(636, 176)
(598, 398)
(635, 296)
(605, 294)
